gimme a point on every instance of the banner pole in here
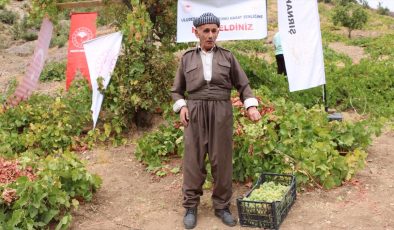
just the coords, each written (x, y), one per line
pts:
(325, 98)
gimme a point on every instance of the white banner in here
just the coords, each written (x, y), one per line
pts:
(299, 28)
(239, 20)
(101, 55)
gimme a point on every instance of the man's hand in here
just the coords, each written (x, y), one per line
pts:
(184, 116)
(253, 113)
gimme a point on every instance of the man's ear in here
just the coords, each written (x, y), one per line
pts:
(196, 33)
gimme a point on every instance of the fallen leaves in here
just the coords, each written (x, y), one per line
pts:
(10, 171)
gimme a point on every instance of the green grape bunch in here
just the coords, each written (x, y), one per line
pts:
(268, 192)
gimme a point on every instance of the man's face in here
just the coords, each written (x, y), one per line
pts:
(207, 34)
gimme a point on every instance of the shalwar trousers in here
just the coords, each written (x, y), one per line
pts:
(209, 131)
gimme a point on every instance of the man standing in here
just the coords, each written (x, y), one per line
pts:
(205, 78)
(280, 60)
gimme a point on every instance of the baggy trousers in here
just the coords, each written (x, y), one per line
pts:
(209, 131)
(280, 62)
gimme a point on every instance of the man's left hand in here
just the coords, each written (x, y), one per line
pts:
(253, 113)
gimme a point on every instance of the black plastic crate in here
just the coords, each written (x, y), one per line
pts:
(267, 214)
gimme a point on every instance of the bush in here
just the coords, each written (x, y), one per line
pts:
(25, 29)
(30, 36)
(8, 17)
(60, 35)
(379, 47)
(60, 183)
(59, 40)
(46, 124)
(290, 138)
(365, 88)
(39, 134)
(53, 71)
(154, 148)
(10, 89)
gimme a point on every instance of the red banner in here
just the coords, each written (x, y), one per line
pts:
(30, 80)
(82, 28)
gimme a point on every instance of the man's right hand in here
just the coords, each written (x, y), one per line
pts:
(184, 116)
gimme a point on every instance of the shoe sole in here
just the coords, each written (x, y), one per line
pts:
(230, 225)
(190, 227)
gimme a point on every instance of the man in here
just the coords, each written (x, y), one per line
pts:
(206, 75)
(280, 60)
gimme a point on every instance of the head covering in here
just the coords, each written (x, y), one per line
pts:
(206, 18)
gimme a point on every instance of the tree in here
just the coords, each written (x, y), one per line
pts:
(351, 16)
(383, 10)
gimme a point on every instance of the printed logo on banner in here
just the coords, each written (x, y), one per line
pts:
(82, 29)
(80, 35)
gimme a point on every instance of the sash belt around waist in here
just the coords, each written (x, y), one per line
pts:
(224, 96)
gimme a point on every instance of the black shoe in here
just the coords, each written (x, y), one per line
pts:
(190, 218)
(226, 217)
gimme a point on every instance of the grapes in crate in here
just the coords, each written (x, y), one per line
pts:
(268, 192)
